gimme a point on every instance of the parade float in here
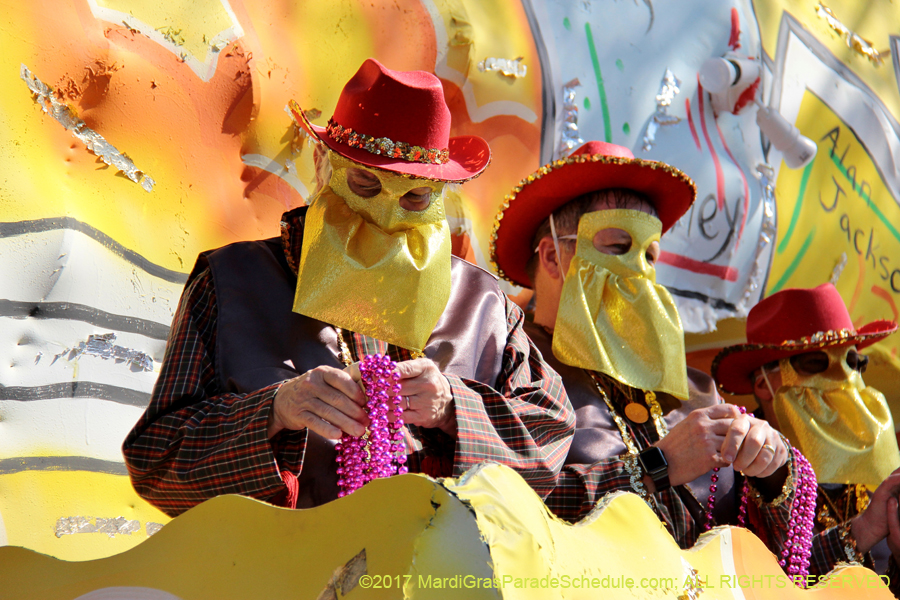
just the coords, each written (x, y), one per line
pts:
(138, 134)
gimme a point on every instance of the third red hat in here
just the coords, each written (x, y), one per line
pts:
(791, 322)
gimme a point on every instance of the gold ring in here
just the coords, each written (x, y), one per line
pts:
(768, 447)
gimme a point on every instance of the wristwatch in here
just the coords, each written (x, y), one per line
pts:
(654, 464)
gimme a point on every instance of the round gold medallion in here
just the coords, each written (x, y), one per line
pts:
(636, 412)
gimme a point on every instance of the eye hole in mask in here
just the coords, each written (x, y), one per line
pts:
(812, 363)
(363, 183)
(616, 242)
(367, 185)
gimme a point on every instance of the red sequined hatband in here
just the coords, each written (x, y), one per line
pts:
(385, 146)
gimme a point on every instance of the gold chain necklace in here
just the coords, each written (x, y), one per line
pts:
(830, 514)
(662, 430)
(631, 459)
(343, 349)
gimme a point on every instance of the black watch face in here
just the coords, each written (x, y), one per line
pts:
(652, 459)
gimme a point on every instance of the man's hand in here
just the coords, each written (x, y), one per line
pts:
(692, 446)
(873, 524)
(753, 447)
(325, 400)
(428, 393)
(893, 518)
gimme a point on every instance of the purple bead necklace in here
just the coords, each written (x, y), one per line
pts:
(380, 451)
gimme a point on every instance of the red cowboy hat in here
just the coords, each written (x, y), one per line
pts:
(595, 166)
(398, 121)
(792, 322)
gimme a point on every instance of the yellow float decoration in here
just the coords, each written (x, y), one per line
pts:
(484, 535)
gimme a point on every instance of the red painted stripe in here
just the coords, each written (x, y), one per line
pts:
(733, 39)
(687, 107)
(720, 176)
(695, 266)
(743, 178)
(884, 295)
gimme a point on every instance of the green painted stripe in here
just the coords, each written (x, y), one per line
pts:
(607, 128)
(869, 203)
(794, 263)
(799, 204)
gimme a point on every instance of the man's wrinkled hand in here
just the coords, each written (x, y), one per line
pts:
(893, 518)
(753, 447)
(692, 446)
(427, 398)
(325, 400)
(873, 525)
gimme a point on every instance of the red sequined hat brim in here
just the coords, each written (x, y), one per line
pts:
(733, 366)
(468, 156)
(534, 198)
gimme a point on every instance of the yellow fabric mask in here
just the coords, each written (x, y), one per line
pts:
(613, 317)
(371, 266)
(842, 426)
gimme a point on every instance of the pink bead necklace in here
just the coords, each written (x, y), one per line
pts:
(798, 549)
(711, 501)
(380, 451)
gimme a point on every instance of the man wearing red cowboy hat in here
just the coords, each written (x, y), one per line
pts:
(802, 364)
(258, 381)
(583, 232)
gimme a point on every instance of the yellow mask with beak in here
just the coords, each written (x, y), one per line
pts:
(842, 426)
(369, 265)
(613, 317)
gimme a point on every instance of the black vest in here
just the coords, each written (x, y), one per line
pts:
(261, 341)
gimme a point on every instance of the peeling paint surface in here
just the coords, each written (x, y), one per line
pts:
(111, 527)
(103, 345)
(46, 98)
(505, 66)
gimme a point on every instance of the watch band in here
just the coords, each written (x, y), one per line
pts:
(654, 464)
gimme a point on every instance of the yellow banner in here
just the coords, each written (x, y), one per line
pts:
(838, 210)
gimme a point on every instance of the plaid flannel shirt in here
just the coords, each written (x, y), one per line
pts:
(580, 486)
(195, 441)
(829, 549)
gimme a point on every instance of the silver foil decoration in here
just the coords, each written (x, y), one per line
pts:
(153, 528)
(569, 137)
(668, 89)
(510, 68)
(838, 269)
(853, 40)
(758, 271)
(103, 346)
(111, 527)
(45, 97)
